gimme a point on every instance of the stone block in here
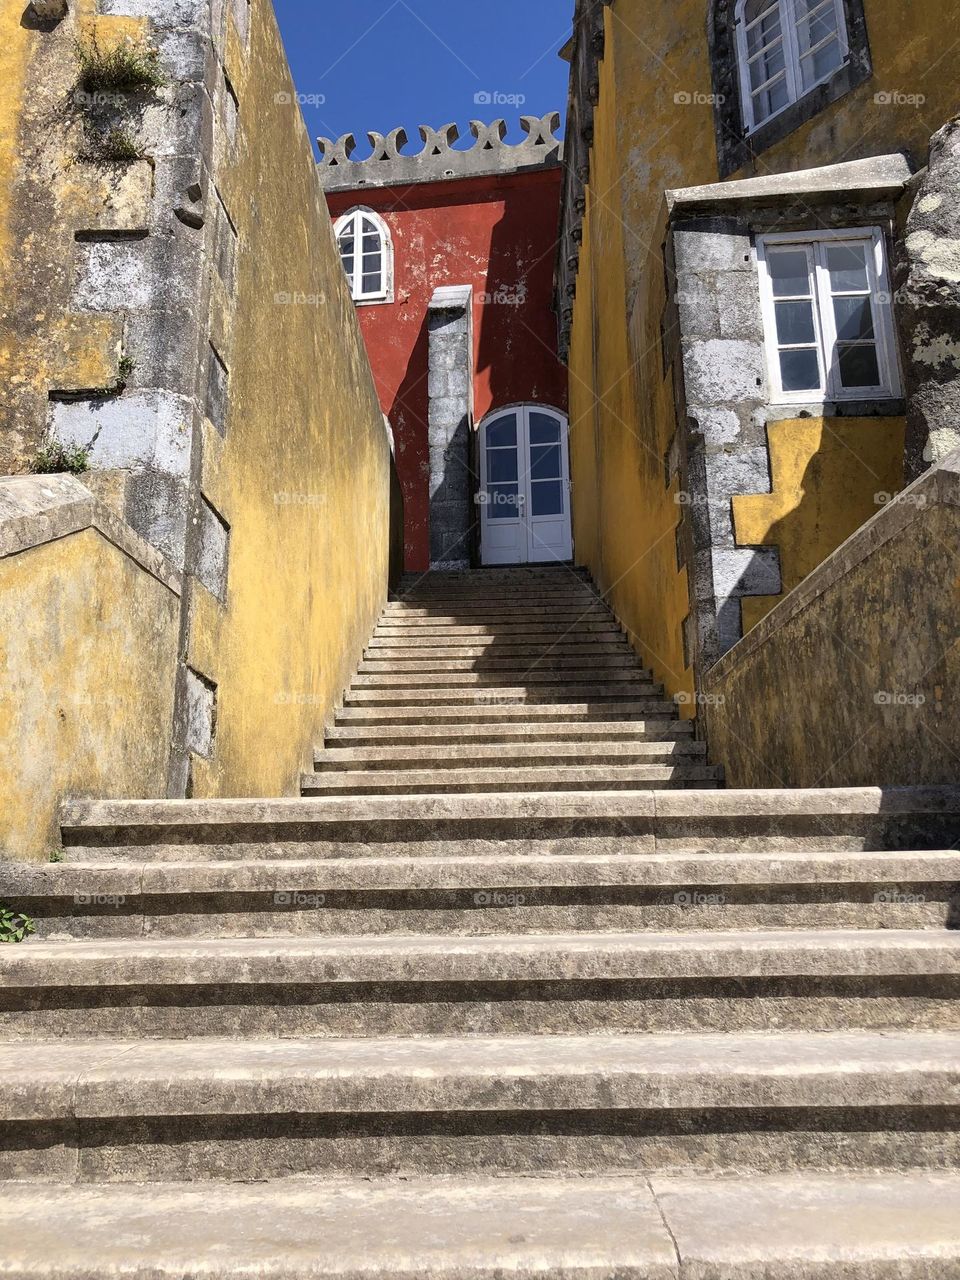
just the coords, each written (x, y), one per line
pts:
(723, 371)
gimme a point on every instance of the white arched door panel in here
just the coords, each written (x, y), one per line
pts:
(524, 487)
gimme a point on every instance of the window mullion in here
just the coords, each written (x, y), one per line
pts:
(791, 48)
(826, 321)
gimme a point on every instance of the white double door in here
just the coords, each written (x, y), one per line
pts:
(525, 487)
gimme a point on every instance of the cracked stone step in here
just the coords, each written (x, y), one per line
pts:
(647, 697)
(110, 1110)
(586, 732)
(315, 986)
(556, 777)
(523, 712)
(573, 885)
(870, 1226)
(542, 752)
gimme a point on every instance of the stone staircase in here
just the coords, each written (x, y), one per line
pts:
(516, 989)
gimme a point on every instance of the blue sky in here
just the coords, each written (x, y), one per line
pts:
(379, 64)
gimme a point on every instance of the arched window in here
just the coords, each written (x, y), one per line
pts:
(366, 251)
(785, 49)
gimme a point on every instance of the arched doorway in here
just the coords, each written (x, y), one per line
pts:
(524, 486)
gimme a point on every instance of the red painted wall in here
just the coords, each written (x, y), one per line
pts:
(498, 234)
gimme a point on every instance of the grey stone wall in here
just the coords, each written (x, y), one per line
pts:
(928, 301)
(450, 427)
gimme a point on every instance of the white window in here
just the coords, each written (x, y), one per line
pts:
(366, 252)
(786, 48)
(827, 316)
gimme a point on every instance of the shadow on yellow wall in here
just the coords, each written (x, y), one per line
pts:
(828, 476)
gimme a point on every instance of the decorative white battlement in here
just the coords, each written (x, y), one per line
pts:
(438, 160)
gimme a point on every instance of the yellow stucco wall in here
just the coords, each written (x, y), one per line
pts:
(829, 476)
(654, 130)
(302, 475)
(88, 643)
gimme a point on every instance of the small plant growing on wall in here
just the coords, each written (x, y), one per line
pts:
(118, 146)
(124, 68)
(14, 925)
(55, 457)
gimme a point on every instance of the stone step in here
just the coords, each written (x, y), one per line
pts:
(416, 711)
(315, 986)
(514, 887)
(401, 662)
(554, 777)
(518, 601)
(867, 1226)
(491, 650)
(527, 633)
(521, 678)
(646, 697)
(643, 821)
(538, 753)
(111, 1109)
(486, 732)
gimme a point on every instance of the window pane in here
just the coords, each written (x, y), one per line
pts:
(854, 318)
(763, 24)
(501, 464)
(545, 462)
(771, 100)
(769, 64)
(372, 283)
(795, 323)
(817, 66)
(546, 498)
(800, 370)
(859, 366)
(503, 501)
(790, 273)
(502, 432)
(847, 264)
(815, 23)
(544, 429)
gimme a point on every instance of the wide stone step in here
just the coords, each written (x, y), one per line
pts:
(646, 696)
(721, 821)
(555, 777)
(520, 732)
(110, 1110)
(527, 633)
(520, 602)
(397, 662)
(554, 616)
(538, 753)
(902, 1226)
(518, 887)
(493, 711)
(529, 678)
(133, 988)
(491, 650)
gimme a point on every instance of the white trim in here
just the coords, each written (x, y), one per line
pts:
(356, 217)
(793, 72)
(831, 389)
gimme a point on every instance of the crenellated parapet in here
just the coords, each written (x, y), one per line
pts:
(438, 160)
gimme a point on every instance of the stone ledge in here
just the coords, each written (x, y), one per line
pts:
(878, 178)
(38, 509)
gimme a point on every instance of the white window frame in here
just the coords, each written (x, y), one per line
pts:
(792, 55)
(385, 292)
(831, 389)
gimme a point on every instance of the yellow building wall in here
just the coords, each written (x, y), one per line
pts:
(88, 647)
(653, 131)
(829, 476)
(302, 476)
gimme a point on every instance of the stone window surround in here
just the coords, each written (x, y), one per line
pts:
(388, 252)
(723, 391)
(736, 145)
